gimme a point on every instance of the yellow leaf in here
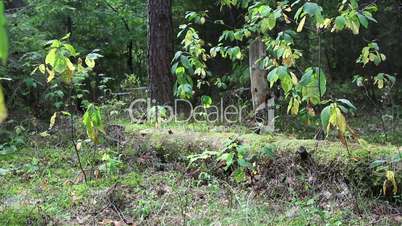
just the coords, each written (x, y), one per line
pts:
(301, 24)
(68, 76)
(44, 134)
(290, 104)
(53, 120)
(202, 20)
(332, 119)
(380, 84)
(70, 65)
(390, 175)
(294, 78)
(42, 68)
(90, 62)
(295, 107)
(78, 146)
(286, 19)
(326, 23)
(340, 121)
(50, 77)
(3, 109)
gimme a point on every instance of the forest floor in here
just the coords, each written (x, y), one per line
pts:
(146, 179)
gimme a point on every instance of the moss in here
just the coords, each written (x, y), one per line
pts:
(132, 179)
(27, 215)
(164, 193)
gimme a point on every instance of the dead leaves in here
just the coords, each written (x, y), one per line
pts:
(115, 223)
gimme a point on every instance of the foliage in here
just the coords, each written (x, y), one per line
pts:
(58, 65)
(3, 35)
(117, 27)
(111, 164)
(235, 158)
(282, 58)
(92, 120)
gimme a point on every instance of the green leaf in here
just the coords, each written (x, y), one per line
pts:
(268, 23)
(355, 25)
(185, 62)
(282, 72)
(185, 91)
(51, 57)
(325, 115)
(306, 78)
(298, 13)
(269, 151)
(347, 103)
(311, 8)
(60, 65)
(71, 49)
(340, 22)
(369, 16)
(206, 101)
(273, 76)
(92, 120)
(239, 175)
(227, 158)
(180, 71)
(3, 44)
(363, 20)
(286, 83)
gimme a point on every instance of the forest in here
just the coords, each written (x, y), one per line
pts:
(200, 112)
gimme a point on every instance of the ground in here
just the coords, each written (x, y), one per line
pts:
(146, 179)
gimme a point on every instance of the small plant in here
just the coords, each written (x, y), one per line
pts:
(234, 158)
(111, 164)
(386, 174)
(382, 82)
(15, 142)
(157, 114)
(59, 68)
(93, 123)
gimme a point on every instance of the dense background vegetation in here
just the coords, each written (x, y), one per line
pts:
(333, 67)
(119, 30)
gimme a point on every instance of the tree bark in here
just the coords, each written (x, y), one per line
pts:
(263, 101)
(160, 51)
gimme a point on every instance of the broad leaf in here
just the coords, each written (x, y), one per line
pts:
(52, 120)
(206, 101)
(325, 115)
(301, 24)
(363, 20)
(3, 109)
(340, 22)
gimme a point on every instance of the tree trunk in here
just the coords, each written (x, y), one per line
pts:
(160, 51)
(263, 102)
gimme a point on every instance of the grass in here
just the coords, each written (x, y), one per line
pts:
(41, 186)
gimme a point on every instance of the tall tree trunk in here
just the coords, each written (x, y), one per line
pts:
(263, 101)
(160, 51)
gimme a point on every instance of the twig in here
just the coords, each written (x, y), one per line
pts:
(73, 137)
